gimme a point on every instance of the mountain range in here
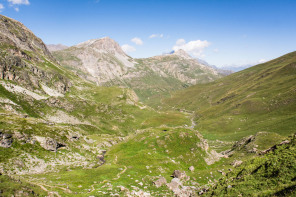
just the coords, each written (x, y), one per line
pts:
(89, 120)
(104, 62)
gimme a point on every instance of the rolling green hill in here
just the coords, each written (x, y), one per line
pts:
(260, 98)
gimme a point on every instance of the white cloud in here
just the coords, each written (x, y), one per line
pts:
(195, 47)
(17, 9)
(19, 2)
(127, 48)
(1, 7)
(216, 50)
(137, 41)
(156, 36)
(180, 42)
(262, 61)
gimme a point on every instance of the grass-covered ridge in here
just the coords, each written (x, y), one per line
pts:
(260, 98)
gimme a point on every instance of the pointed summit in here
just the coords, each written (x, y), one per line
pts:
(182, 53)
(105, 44)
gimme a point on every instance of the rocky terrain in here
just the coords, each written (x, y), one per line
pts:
(85, 126)
(26, 60)
(104, 62)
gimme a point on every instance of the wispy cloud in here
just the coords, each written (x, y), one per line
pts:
(19, 2)
(156, 36)
(127, 48)
(195, 47)
(16, 3)
(1, 7)
(137, 41)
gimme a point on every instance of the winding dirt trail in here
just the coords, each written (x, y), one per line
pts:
(43, 187)
(120, 173)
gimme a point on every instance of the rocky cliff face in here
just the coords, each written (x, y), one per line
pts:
(101, 60)
(25, 59)
(16, 35)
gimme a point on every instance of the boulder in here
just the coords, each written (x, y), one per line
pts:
(178, 174)
(5, 140)
(179, 190)
(101, 158)
(175, 185)
(236, 163)
(243, 142)
(49, 143)
(159, 182)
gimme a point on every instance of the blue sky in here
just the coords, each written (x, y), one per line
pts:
(222, 32)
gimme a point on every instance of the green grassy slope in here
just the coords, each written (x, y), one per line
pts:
(273, 174)
(139, 160)
(260, 98)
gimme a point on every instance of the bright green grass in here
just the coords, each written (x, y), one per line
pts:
(273, 174)
(260, 98)
(142, 157)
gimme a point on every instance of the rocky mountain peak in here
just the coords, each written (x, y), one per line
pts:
(182, 53)
(16, 34)
(105, 44)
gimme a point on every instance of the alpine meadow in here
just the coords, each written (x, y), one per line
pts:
(147, 98)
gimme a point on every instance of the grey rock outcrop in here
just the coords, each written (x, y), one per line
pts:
(179, 190)
(5, 140)
(25, 59)
(236, 163)
(180, 175)
(175, 185)
(160, 182)
(49, 143)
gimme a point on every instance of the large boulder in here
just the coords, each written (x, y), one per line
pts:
(5, 140)
(49, 143)
(175, 185)
(179, 190)
(180, 175)
(160, 182)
